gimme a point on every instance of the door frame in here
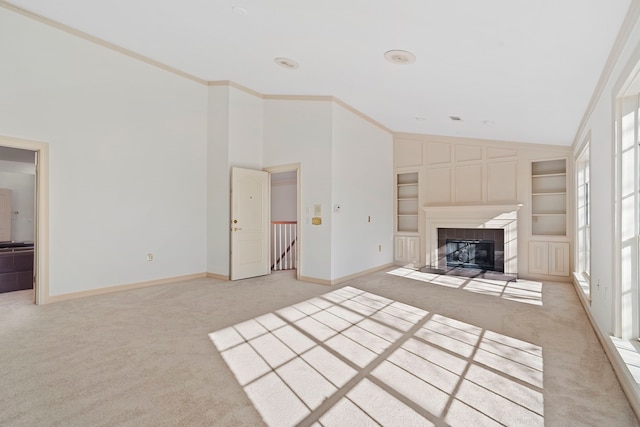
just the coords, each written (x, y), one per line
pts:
(290, 168)
(41, 220)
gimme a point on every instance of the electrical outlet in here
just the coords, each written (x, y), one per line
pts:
(149, 257)
(379, 248)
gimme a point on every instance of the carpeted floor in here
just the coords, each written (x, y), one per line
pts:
(397, 347)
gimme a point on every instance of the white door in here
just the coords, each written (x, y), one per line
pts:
(5, 214)
(249, 223)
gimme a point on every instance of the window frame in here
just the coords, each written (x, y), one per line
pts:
(583, 212)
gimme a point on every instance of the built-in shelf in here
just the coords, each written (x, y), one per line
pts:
(407, 204)
(549, 197)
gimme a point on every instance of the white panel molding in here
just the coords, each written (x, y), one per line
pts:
(438, 153)
(438, 185)
(502, 181)
(468, 153)
(468, 184)
(500, 153)
(407, 153)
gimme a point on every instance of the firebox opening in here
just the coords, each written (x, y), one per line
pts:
(470, 253)
(470, 248)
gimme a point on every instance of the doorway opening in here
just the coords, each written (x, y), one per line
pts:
(285, 218)
(24, 248)
(17, 219)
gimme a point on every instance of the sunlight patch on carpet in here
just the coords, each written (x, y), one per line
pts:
(524, 291)
(351, 357)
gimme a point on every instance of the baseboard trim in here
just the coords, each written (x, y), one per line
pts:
(217, 276)
(118, 288)
(360, 274)
(345, 278)
(628, 384)
(316, 281)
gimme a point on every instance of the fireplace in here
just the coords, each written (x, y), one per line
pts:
(477, 224)
(471, 248)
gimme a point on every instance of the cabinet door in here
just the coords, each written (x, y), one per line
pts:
(401, 248)
(538, 257)
(559, 259)
(413, 250)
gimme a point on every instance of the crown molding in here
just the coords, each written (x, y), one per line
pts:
(235, 85)
(98, 41)
(630, 20)
(420, 137)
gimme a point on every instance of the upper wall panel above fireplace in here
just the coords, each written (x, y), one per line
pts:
(466, 173)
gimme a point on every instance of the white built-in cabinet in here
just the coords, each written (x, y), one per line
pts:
(549, 197)
(407, 202)
(407, 250)
(549, 252)
(407, 240)
(549, 258)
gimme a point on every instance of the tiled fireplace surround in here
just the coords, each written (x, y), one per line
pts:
(495, 216)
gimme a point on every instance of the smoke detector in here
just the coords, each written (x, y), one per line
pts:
(287, 63)
(400, 57)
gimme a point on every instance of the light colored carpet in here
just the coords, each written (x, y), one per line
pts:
(391, 348)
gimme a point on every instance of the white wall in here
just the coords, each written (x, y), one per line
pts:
(602, 137)
(245, 129)
(218, 181)
(127, 155)
(300, 132)
(362, 185)
(234, 139)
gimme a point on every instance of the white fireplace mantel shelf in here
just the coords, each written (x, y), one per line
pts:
(484, 211)
(496, 215)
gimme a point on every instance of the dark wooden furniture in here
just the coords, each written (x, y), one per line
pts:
(16, 269)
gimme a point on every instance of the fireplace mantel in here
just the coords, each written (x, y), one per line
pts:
(497, 215)
(486, 211)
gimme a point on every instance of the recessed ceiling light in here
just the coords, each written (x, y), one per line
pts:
(400, 57)
(287, 63)
(455, 118)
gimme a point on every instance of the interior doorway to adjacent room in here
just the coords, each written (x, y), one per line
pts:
(17, 219)
(285, 214)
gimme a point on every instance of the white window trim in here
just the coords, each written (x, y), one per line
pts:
(583, 218)
(627, 218)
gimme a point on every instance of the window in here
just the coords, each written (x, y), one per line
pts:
(583, 211)
(628, 216)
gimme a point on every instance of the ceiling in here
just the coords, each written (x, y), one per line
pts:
(512, 70)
